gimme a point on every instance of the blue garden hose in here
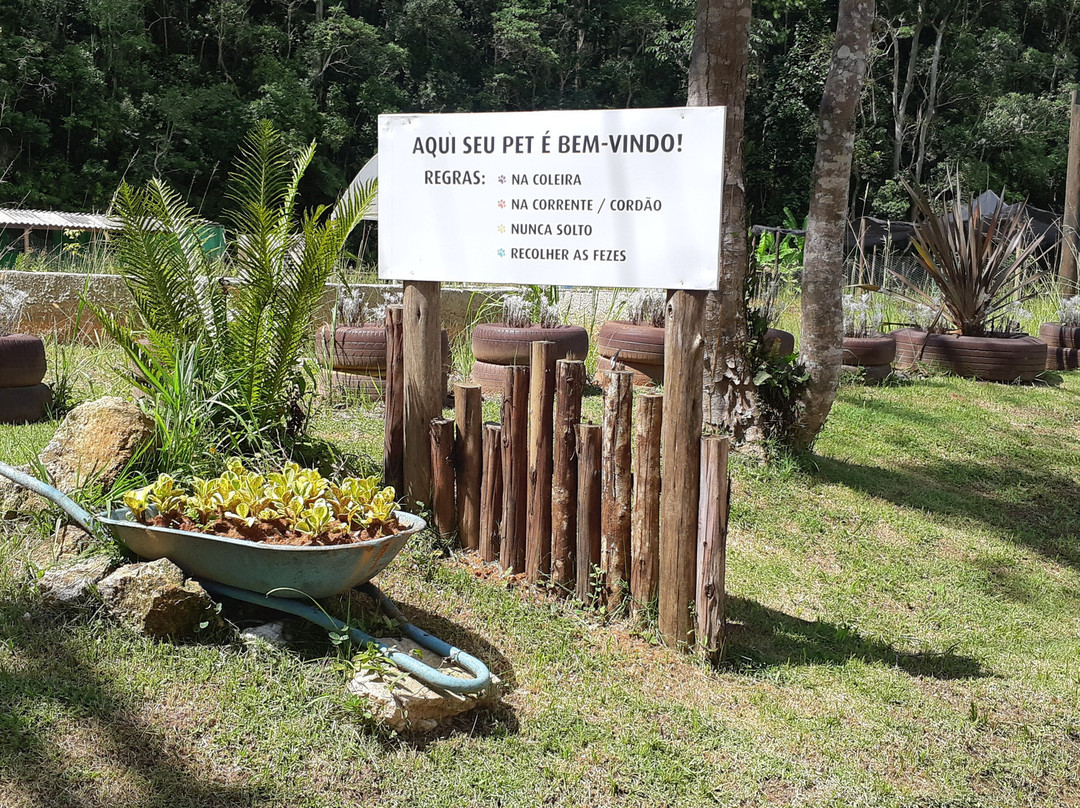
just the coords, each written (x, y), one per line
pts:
(481, 676)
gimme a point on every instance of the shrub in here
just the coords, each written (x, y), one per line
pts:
(216, 343)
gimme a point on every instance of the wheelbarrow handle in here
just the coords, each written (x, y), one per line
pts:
(481, 676)
(80, 515)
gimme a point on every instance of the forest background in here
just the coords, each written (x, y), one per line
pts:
(96, 91)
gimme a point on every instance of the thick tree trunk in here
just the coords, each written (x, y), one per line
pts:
(823, 261)
(718, 66)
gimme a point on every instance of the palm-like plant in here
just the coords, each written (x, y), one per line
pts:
(978, 262)
(246, 315)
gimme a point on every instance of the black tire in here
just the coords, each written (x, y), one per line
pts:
(23, 405)
(869, 374)
(489, 375)
(1060, 336)
(782, 343)
(22, 360)
(361, 349)
(1062, 358)
(357, 347)
(641, 344)
(644, 375)
(359, 384)
(869, 351)
(500, 344)
(993, 359)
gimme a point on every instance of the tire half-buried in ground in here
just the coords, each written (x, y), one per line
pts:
(500, 344)
(22, 360)
(22, 405)
(644, 375)
(869, 351)
(1060, 336)
(991, 358)
(1058, 358)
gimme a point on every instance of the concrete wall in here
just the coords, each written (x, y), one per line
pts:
(52, 302)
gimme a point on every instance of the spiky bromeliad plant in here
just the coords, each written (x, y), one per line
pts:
(216, 341)
(978, 262)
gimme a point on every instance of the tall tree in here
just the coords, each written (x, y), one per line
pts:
(718, 65)
(823, 260)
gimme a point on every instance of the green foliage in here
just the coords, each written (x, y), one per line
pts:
(981, 265)
(215, 344)
(780, 379)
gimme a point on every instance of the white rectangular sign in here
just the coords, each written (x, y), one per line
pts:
(584, 198)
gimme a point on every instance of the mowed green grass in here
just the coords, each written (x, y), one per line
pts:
(905, 631)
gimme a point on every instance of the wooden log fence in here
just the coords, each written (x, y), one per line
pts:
(618, 387)
(491, 493)
(515, 464)
(588, 507)
(469, 449)
(589, 443)
(645, 513)
(541, 428)
(569, 386)
(443, 476)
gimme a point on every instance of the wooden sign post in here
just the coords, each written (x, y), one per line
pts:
(423, 384)
(684, 356)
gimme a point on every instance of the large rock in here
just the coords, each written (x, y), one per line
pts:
(404, 703)
(95, 442)
(154, 599)
(73, 584)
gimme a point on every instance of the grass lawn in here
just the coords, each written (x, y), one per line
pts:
(904, 615)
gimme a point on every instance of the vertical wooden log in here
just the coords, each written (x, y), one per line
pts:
(423, 383)
(541, 426)
(515, 463)
(569, 385)
(713, 508)
(681, 440)
(469, 449)
(618, 386)
(442, 475)
(589, 454)
(394, 401)
(491, 493)
(645, 516)
(1070, 239)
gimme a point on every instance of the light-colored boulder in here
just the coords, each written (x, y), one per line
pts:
(154, 599)
(274, 634)
(94, 443)
(73, 584)
(406, 704)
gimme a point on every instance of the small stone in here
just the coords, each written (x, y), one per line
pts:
(154, 599)
(269, 633)
(405, 704)
(95, 442)
(72, 540)
(73, 584)
(16, 500)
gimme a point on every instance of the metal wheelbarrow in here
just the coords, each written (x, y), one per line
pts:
(279, 576)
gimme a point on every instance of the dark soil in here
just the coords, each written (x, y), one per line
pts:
(273, 531)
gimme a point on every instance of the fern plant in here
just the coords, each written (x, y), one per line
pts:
(242, 318)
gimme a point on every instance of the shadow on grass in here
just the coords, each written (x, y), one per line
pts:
(1034, 507)
(493, 718)
(45, 763)
(760, 637)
